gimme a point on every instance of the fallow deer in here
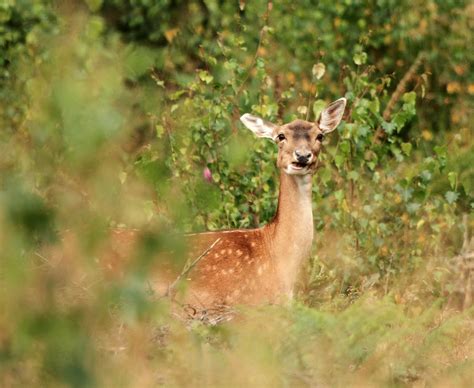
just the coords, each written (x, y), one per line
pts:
(253, 266)
(244, 266)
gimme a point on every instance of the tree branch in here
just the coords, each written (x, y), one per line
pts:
(399, 91)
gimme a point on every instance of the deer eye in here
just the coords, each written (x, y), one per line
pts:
(320, 137)
(281, 137)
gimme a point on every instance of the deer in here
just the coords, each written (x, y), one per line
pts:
(259, 266)
(249, 266)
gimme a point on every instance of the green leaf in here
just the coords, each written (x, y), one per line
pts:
(345, 147)
(409, 98)
(260, 63)
(318, 107)
(426, 175)
(138, 61)
(452, 177)
(406, 148)
(325, 175)
(360, 58)
(388, 127)
(353, 175)
(94, 5)
(205, 76)
(440, 151)
(339, 195)
(174, 96)
(451, 197)
(412, 207)
(374, 106)
(160, 130)
(339, 160)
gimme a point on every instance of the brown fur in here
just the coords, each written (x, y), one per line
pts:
(258, 265)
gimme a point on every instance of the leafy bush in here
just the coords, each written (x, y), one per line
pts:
(126, 114)
(22, 26)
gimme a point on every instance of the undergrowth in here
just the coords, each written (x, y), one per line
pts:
(125, 114)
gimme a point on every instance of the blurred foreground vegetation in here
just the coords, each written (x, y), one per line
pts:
(111, 111)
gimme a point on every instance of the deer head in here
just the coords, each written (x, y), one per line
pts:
(299, 142)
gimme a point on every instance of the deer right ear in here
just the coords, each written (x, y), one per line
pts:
(332, 115)
(258, 126)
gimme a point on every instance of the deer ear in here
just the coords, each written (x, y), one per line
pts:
(258, 126)
(332, 115)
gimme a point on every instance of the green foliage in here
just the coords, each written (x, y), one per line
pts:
(20, 22)
(125, 113)
(23, 26)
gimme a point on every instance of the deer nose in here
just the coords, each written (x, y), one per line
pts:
(303, 156)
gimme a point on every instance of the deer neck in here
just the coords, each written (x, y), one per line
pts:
(292, 227)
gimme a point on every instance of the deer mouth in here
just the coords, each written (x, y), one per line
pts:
(299, 166)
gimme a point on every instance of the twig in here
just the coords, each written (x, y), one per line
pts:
(43, 258)
(402, 85)
(399, 91)
(189, 267)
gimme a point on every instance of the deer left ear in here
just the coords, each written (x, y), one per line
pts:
(332, 115)
(258, 126)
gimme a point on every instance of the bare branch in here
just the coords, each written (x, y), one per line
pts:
(399, 91)
(189, 267)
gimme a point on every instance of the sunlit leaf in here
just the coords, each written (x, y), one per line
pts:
(318, 70)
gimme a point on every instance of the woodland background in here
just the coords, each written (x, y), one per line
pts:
(124, 113)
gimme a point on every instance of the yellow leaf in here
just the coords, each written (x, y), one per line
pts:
(456, 116)
(399, 299)
(459, 69)
(262, 51)
(453, 87)
(171, 34)
(345, 207)
(427, 135)
(423, 25)
(291, 77)
(405, 218)
(302, 110)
